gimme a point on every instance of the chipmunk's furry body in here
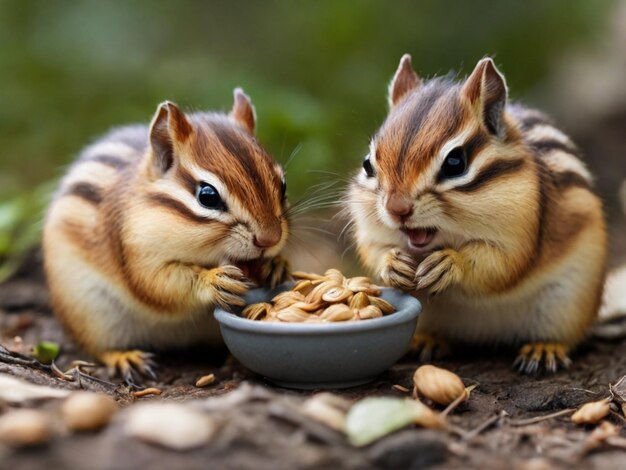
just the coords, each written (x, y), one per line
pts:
(485, 211)
(137, 257)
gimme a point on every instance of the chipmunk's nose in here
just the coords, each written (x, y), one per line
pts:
(267, 240)
(399, 206)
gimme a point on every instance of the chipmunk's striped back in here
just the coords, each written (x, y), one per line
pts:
(552, 148)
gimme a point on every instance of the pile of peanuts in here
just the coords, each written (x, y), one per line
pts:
(323, 298)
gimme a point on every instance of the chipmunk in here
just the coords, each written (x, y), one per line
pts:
(484, 211)
(154, 226)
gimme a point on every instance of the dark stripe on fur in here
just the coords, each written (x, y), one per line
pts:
(490, 173)
(543, 173)
(475, 144)
(187, 179)
(528, 122)
(569, 179)
(429, 97)
(176, 206)
(233, 143)
(545, 146)
(85, 191)
(109, 160)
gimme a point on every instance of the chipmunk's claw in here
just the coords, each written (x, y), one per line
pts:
(438, 271)
(427, 347)
(228, 285)
(276, 271)
(128, 364)
(534, 358)
(398, 270)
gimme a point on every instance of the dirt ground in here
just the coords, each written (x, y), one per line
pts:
(260, 425)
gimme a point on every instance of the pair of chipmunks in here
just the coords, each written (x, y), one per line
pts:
(479, 207)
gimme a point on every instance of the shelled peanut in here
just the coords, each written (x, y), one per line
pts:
(316, 298)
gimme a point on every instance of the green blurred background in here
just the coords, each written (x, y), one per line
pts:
(317, 73)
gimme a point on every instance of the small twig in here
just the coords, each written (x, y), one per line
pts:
(462, 433)
(60, 374)
(11, 357)
(80, 364)
(484, 425)
(75, 373)
(585, 390)
(461, 398)
(539, 419)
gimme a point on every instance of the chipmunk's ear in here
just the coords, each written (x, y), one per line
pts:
(243, 111)
(486, 91)
(404, 81)
(169, 127)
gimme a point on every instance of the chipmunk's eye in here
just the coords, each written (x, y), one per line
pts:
(367, 166)
(208, 197)
(283, 189)
(455, 163)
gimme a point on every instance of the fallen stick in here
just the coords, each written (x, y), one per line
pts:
(539, 419)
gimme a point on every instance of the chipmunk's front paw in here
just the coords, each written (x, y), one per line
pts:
(398, 270)
(129, 363)
(438, 271)
(428, 347)
(275, 271)
(227, 284)
(536, 357)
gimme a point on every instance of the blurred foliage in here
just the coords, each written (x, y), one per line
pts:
(20, 227)
(317, 71)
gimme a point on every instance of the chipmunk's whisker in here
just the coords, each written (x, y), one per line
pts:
(293, 154)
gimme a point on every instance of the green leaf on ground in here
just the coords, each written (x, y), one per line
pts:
(46, 351)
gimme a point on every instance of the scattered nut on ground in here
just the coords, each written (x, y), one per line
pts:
(205, 380)
(147, 391)
(86, 411)
(438, 385)
(324, 298)
(25, 428)
(170, 425)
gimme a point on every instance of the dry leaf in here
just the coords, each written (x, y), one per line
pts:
(592, 412)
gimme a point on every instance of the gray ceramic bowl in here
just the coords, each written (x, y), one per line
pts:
(313, 355)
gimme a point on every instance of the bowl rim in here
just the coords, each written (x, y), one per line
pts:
(407, 314)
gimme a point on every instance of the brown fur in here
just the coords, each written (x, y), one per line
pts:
(132, 258)
(524, 209)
